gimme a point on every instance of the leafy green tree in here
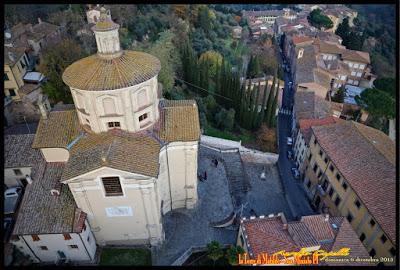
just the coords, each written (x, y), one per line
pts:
(212, 59)
(377, 103)
(232, 254)
(168, 55)
(339, 96)
(387, 85)
(54, 60)
(214, 251)
(317, 19)
(211, 106)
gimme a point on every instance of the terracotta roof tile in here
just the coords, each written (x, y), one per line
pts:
(356, 56)
(369, 171)
(180, 120)
(268, 235)
(95, 73)
(18, 151)
(40, 212)
(301, 39)
(328, 47)
(306, 124)
(131, 152)
(58, 130)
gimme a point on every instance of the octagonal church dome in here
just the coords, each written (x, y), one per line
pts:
(115, 88)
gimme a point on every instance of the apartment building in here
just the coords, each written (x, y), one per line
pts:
(351, 172)
(16, 64)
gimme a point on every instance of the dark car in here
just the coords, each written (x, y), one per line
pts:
(289, 154)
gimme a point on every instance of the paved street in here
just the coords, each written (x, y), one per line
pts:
(294, 190)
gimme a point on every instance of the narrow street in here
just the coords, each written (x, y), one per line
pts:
(294, 190)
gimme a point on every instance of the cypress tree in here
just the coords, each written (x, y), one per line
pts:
(255, 110)
(263, 107)
(270, 101)
(274, 104)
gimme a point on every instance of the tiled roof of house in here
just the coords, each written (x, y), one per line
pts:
(258, 13)
(95, 73)
(301, 39)
(332, 48)
(45, 28)
(180, 120)
(322, 78)
(18, 151)
(58, 130)
(306, 124)
(41, 212)
(364, 156)
(305, 65)
(309, 105)
(131, 152)
(273, 234)
(12, 55)
(356, 56)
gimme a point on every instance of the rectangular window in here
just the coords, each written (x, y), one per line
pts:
(73, 246)
(35, 237)
(142, 117)
(44, 248)
(392, 251)
(320, 153)
(112, 186)
(344, 185)
(353, 73)
(338, 200)
(12, 92)
(315, 141)
(349, 217)
(362, 237)
(383, 239)
(331, 168)
(326, 160)
(325, 185)
(372, 253)
(343, 78)
(362, 66)
(67, 236)
(309, 184)
(309, 157)
(355, 82)
(356, 65)
(315, 168)
(17, 172)
(84, 227)
(359, 74)
(338, 177)
(331, 191)
(319, 174)
(372, 222)
(358, 204)
(88, 239)
(350, 64)
(6, 77)
(350, 81)
(114, 124)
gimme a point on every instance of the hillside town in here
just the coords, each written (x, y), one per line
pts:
(264, 141)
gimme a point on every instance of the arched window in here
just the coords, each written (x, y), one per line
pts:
(109, 106)
(142, 98)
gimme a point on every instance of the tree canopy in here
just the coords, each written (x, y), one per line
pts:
(317, 19)
(377, 103)
(54, 60)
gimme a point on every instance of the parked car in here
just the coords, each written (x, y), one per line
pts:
(296, 173)
(289, 154)
(12, 197)
(289, 141)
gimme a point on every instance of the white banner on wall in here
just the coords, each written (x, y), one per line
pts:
(120, 211)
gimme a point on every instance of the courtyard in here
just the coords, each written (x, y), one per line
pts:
(219, 196)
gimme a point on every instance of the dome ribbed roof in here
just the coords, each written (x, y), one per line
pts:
(96, 73)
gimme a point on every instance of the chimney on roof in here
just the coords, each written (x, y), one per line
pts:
(56, 190)
(39, 20)
(326, 217)
(285, 226)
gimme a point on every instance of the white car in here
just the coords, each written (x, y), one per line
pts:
(289, 141)
(12, 197)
